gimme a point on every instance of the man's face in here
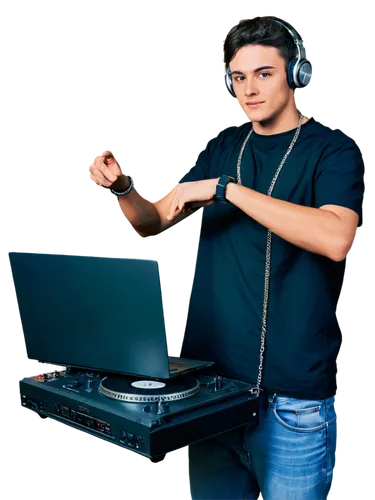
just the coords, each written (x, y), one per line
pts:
(253, 82)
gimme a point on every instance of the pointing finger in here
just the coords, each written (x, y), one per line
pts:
(172, 210)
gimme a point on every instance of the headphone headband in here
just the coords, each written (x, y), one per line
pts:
(297, 39)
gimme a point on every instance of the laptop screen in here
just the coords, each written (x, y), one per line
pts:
(92, 312)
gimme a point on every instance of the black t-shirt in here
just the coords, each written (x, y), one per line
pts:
(224, 320)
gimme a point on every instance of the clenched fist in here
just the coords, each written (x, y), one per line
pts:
(105, 171)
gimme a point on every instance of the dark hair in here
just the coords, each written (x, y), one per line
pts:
(259, 31)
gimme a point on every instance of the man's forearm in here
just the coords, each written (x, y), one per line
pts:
(147, 218)
(316, 230)
(141, 213)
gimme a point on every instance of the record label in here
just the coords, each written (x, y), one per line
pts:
(148, 384)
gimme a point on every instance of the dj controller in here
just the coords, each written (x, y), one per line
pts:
(149, 417)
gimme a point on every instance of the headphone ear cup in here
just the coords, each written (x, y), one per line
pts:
(229, 83)
(304, 72)
(303, 76)
(289, 73)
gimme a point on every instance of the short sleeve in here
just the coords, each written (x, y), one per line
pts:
(340, 178)
(198, 172)
(201, 169)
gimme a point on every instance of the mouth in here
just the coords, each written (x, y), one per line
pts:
(253, 104)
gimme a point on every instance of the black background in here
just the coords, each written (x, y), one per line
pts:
(147, 85)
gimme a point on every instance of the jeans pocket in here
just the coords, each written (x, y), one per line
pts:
(300, 415)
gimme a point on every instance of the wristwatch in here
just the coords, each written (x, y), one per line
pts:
(125, 191)
(221, 188)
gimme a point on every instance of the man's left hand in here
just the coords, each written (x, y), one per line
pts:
(192, 195)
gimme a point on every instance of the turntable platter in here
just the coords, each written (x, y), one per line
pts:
(147, 391)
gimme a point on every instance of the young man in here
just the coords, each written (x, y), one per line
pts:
(262, 307)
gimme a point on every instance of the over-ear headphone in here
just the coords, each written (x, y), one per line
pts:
(299, 69)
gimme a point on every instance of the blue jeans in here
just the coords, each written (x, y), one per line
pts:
(289, 455)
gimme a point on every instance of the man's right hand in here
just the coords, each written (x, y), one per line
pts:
(106, 172)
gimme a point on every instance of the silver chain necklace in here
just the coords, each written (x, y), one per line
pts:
(257, 389)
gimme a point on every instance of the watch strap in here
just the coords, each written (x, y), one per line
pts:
(221, 188)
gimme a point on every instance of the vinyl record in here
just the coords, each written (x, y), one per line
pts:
(148, 391)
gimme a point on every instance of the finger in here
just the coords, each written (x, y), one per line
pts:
(180, 205)
(104, 169)
(107, 157)
(110, 177)
(99, 160)
(99, 177)
(177, 205)
(95, 176)
(172, 211)
(177, 208)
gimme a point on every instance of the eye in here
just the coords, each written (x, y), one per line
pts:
(264, 73)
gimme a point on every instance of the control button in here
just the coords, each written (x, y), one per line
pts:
(65, 411)
(124, 435)
(139, 441)
(100, 426)
(34, 404)
(74, 384)
(90, 423)
(131, 439)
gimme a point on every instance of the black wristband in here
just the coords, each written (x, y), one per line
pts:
(126, 191)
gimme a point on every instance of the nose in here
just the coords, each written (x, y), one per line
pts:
(250, 87)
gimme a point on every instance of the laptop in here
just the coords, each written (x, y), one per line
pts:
(95, 313)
